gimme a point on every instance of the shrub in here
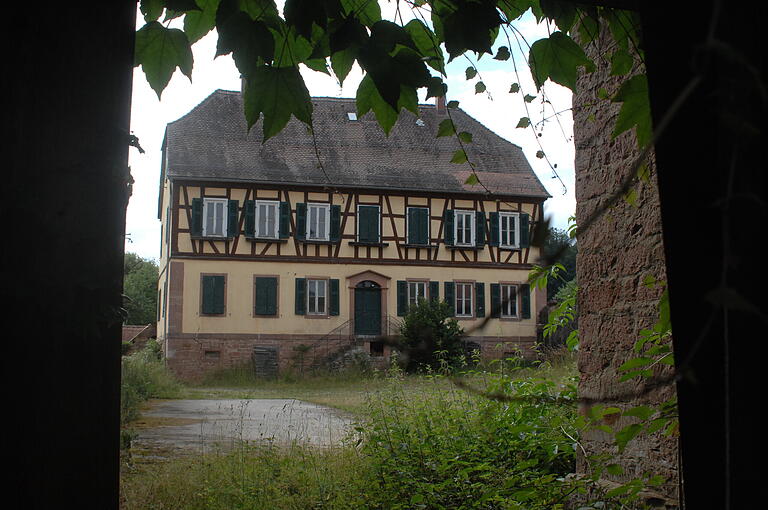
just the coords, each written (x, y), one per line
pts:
(144, 376)
(430, 337)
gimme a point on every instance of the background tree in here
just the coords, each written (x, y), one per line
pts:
(559, 247)
(139, 289)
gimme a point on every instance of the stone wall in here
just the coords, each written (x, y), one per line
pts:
(621, 248)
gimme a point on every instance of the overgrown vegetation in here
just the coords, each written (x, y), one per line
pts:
(144, 376)
(430, 336)
(139, 289)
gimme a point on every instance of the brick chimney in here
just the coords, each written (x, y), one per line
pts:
(440, 104)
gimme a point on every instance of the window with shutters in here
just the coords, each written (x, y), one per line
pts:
(509, 230)
(464, 299)
(213, 294)
(418, 225)
(318, 222)
(267, 217)
(317, 297)
(215, 217)
(416, 290)
(464, 228)
(508, 300)
(368, 223)
(265, 295)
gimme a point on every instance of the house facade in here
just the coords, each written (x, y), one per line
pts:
(286, 254)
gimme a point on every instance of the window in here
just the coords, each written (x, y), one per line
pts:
(318, 222)
(368, 223)
(316, 296)
(416, 291)
(214, 217)
(267, 218)
(508, 300)
(418, 225)
(265, 295)
(212, 294)
(509, 226)
(464, 224)
(464, 299)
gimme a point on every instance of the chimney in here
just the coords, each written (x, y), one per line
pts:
(440, 104)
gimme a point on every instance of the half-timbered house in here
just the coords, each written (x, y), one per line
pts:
(287, 253)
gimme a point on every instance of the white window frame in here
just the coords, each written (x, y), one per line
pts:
(316, 304)
(513, 217)
(327, 212)
(466, 300)
(209, 202)
(421, 288)
(408, 221)
(275, 205)
(472, 224)
(506, 304)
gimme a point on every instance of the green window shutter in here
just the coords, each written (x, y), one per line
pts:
(402, 298)
(333, 285)
(524, 237)
(285, 220)
(250, 218)
(525, 301)
(301, 221)
(196, 229)
(450, 296)
(480, 229)
(213, 294)
(335, 233)
(424, 223)
(301, 296)
(368, 224)
(448, 227)
(495, 300)
(266, 295)
(413, 229)
(233, 229)
(434, 291)
(479, 299)
(167, 224)
(493, 238)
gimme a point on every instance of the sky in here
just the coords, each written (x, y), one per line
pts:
(497, 108)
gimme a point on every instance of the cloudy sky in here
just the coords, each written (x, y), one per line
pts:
(497, 108)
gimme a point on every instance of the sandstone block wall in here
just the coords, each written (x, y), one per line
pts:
(616, 253)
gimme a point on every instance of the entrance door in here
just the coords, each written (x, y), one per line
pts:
(367, 308)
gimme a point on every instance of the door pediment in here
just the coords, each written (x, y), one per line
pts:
(380, 279)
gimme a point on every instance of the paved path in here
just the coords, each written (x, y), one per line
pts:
(202, 424)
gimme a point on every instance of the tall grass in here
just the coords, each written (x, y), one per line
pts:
(144, 376)
(420, 442)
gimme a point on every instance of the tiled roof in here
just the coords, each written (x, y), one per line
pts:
(211, 142)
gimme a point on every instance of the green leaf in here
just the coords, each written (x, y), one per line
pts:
(539, 154)
(436, 87)
(621, 62)
(159, 51)
(453, 104)
(151, 9)
(277, 93)
(588, 29)
(524, 122)
(528, 98)
(635, 363)
(502, 53)
(465, 137)
(369, 98)
(626, 434)
(479, 87)
(514, 88)
(472, 180)
(641, 412)
(198, 23)
(470, 72)
(630, 197)
(561, 12)
(341, 63)
(426, 43)
(291, 48)
(635, 109)
(459, 157)
(367, 11)
(614, 469)
(318, 64)
(557, 58)
(602, 93)
(250, 41)
(445, 128)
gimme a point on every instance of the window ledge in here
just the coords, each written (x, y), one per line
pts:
(426, 246)
(267, 239)
(511, 248)
(314, 241)
(365, 243)
(211, 238)
(454, 247)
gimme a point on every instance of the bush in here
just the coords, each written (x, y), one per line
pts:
(144, 376)
(430, 337)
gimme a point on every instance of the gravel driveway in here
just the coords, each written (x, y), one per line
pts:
(203, 424)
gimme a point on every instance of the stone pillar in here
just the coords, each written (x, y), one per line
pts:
(621, 248)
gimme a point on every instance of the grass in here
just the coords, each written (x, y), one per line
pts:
(421, 443)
